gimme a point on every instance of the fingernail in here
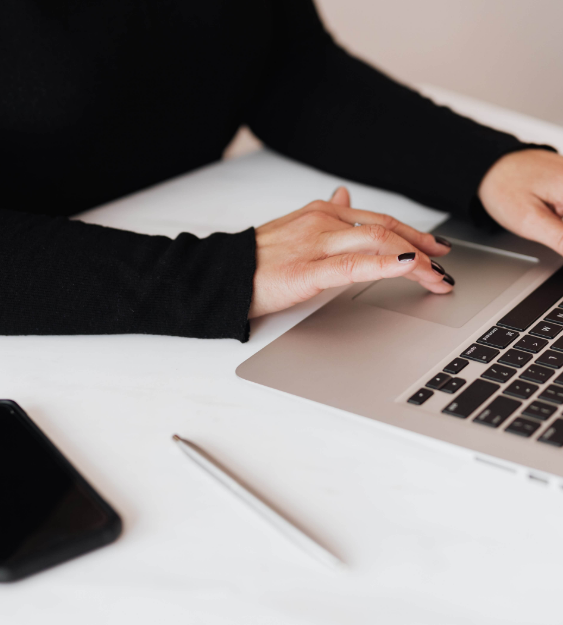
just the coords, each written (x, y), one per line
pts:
(408, 257)
(334, 192)
(442, 241)
(448, 279)
(437, 268)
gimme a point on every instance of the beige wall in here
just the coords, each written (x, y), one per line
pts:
(509, 52)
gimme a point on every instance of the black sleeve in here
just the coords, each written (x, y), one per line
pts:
(318, 104)
(66, 277)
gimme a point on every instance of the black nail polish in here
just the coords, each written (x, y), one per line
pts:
(442, 241)
(448, 279)
(437, 268)
(408, 257)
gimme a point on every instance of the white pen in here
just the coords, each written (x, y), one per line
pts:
(295, 535)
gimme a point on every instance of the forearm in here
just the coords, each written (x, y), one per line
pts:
(67, 277)
(321, 106)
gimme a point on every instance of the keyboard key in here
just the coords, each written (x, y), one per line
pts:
(532, 307)
(521, 389)
(456, 365)
(531, 344)
(551, 359)
(558, 345)
(554, 434)
(552, 393)
(497, 411)
(471, 398)
(499, 337)
(538, 374)
(556, 315)
(523, 427)
(420, 396)
(438, 381)
(453, 385)
(480, 353)
(498, 373)
(558, 380)
(539, 410)
(546, 329)
(515, 358)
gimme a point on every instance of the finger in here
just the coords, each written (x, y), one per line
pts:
(424, 241)
(349, 268)
(375, 240)
(440, 288)
(341, 197)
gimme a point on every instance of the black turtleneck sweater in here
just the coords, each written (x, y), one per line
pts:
(100, 98)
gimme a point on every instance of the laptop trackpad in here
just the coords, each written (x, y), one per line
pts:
(481, 275)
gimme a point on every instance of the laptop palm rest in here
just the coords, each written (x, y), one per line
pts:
(375, 340)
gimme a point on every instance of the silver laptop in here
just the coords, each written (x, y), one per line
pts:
(480, 368)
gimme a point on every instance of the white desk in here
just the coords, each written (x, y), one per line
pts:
(430, 537)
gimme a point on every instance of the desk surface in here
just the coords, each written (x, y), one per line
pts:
(430, 537)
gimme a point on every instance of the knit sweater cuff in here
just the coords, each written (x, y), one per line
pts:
(218, 287)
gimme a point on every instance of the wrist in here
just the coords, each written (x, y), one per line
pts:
(506, 172)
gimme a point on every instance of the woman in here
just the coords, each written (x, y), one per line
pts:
(102, 98)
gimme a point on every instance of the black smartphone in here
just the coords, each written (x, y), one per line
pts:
(48, 511)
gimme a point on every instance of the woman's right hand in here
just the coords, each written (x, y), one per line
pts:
(318, 247)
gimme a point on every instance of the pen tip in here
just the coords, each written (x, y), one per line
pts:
(176, 437)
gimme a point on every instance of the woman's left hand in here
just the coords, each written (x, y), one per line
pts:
(318, 247)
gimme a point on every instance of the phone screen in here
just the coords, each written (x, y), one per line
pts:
(48, 512)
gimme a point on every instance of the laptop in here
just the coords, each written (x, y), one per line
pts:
(480, 368)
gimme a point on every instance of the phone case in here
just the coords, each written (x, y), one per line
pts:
(68, 548)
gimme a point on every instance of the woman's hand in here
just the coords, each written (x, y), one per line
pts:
(318, 247)
(523, 192)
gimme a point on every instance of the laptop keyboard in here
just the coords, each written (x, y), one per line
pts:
(522, 356)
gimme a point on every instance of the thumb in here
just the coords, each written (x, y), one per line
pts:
(341, 197)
